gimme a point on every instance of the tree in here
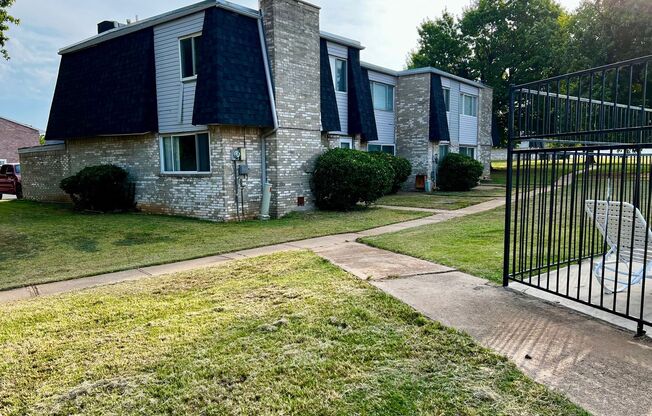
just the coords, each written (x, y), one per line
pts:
(608, 31)
(441, 45)
(5, 19)
(498, 42)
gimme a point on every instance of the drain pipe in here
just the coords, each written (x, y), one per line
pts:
(266, 187)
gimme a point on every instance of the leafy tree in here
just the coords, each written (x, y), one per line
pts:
(441, 45)
(498, 42)
(5, 19)
(607, 31)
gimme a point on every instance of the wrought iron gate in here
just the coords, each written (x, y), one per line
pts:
(579, 188)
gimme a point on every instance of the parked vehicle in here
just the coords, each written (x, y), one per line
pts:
(10, 180)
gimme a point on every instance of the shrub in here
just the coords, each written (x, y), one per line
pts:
(100, 188)
(458, 173)
(402, 169)
(343, 178)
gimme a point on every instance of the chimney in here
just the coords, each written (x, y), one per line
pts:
(291, 30)
(107, 25)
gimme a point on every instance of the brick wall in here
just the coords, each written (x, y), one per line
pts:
(485, 141)
(14, 136)
(208, 196)
(292, 34)
(412, 124)
(42, 168)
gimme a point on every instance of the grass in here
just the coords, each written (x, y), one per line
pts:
(44, 242)
(472, 244)
(285, 334)
(542, 170)
(443, 200)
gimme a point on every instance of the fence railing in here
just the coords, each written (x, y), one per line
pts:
(579, 194)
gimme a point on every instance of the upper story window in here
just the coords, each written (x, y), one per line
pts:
(185, 154)
(469, 105)
(189, 50)
(338, 67)
(383, 96)
(447, 99)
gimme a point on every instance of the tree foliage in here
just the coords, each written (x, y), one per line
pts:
(503, 42)
(5, 19)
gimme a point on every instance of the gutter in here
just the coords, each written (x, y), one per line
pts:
(272, 100)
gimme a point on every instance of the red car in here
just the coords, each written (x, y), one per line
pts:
(10, 180)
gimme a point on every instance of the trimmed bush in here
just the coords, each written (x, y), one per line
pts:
(100, 188)
(401, 166)
(343, 178)
(459, 173)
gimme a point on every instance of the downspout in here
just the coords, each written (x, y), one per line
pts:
(266, 192)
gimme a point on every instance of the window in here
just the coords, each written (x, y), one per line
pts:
(338, 67)
(189, 50)
(385, 148)
(468, 151)
(383, 96)
(188, 154)
(17, 169)
(346, 143)
(447, 99)
(469, 105)
(444, 149)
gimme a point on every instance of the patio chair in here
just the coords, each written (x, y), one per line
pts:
(625, 253)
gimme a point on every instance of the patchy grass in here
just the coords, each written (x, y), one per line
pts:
(284, 334)
(443, 200)
(472, 244)
(43, 242)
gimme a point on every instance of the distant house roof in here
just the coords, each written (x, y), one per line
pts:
(22, 124)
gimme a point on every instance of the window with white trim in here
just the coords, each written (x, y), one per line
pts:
(384, 148)
(346, 143)
(338, 68)
(468, 151)
(185, 154)
(447, 99)
(444, 149)
(469, 105)
(382, 96)
(188, 51)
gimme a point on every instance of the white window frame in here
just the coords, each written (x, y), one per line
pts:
(346, 140)
(474, 106)
(381, 145)
(194, 57)
(333, 63)
(195, 172)
(448, 151)
(475, 151)
(447, 93)
(388, 87)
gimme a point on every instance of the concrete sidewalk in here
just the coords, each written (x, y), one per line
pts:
(598, 366)
(310, 244)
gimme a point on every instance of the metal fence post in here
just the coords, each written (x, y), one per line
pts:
(508, 193)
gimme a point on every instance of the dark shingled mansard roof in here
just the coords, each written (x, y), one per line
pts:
(107, 89)
(231, 81)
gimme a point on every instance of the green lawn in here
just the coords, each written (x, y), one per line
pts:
(540, 169)
(443, 200)
(472, 244)
(46, 242)
(284, 334)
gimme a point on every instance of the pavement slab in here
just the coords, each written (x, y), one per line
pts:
(598, 366)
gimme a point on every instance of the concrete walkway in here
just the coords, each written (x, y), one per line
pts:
(310, 244)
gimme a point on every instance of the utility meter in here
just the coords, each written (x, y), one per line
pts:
(239, 154)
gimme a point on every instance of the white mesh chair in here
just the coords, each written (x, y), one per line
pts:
(628, 251)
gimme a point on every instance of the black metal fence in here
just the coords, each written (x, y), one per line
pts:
(579, 188)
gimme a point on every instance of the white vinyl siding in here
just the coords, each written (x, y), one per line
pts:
(385, 120)
(175, 98)
(468, 133)
(336, 51)
(453, 116)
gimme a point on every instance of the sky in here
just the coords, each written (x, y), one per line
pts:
(387, 28)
